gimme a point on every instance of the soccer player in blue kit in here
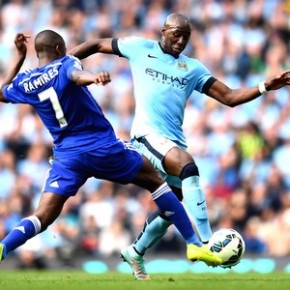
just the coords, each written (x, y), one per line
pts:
(85, 144)
(163, 80)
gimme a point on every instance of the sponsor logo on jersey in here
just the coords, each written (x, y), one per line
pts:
(165, 78)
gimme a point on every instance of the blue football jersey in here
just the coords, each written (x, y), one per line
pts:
(70, 113)
(162, 86)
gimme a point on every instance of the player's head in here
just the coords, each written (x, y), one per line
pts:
(175, 34)
(50, 45)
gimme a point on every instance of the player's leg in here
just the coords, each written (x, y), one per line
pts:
(180, 163)
(172, 208)
(195, 202)
(154, 148)
(155, 227)
(62, 181)
(166, 200)
(123, 164)
(179, 169)
(48, 210)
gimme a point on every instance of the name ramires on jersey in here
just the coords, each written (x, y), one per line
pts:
(41, 80)
(162, 77)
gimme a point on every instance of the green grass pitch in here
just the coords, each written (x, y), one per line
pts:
(76, 280)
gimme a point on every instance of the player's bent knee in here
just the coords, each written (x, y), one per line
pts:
(188, 170)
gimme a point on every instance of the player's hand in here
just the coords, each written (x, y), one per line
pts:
(20, 43)
(278, 82)
(102, 78)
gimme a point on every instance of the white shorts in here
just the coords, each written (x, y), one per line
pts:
(155, 147)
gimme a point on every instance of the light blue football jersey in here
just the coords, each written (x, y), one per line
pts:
(162, 86)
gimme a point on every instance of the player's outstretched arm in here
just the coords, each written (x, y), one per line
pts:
(85, 78)
(20, 43)
(234, 97)
(90, 47)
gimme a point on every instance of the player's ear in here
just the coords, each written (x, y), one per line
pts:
(57, 49)
(60, 50)
(163, 30)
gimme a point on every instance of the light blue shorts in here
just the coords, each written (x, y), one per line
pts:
(155, 147)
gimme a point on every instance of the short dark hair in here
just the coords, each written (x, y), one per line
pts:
(46, 40)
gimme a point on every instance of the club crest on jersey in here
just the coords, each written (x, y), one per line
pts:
(182, 65)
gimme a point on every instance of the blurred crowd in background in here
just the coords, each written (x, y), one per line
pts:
(243, 153)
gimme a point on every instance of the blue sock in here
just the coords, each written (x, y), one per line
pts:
(194, 200)
(154, 229)
(25, 230)
(172, 208)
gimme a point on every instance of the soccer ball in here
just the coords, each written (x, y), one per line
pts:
(229, 245)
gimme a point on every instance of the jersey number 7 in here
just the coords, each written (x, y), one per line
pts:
(50, 94)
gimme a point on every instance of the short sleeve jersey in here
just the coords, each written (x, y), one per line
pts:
(162, 86)
(70, 113)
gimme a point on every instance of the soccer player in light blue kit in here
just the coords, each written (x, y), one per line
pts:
(164, 79)
(85, 144)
